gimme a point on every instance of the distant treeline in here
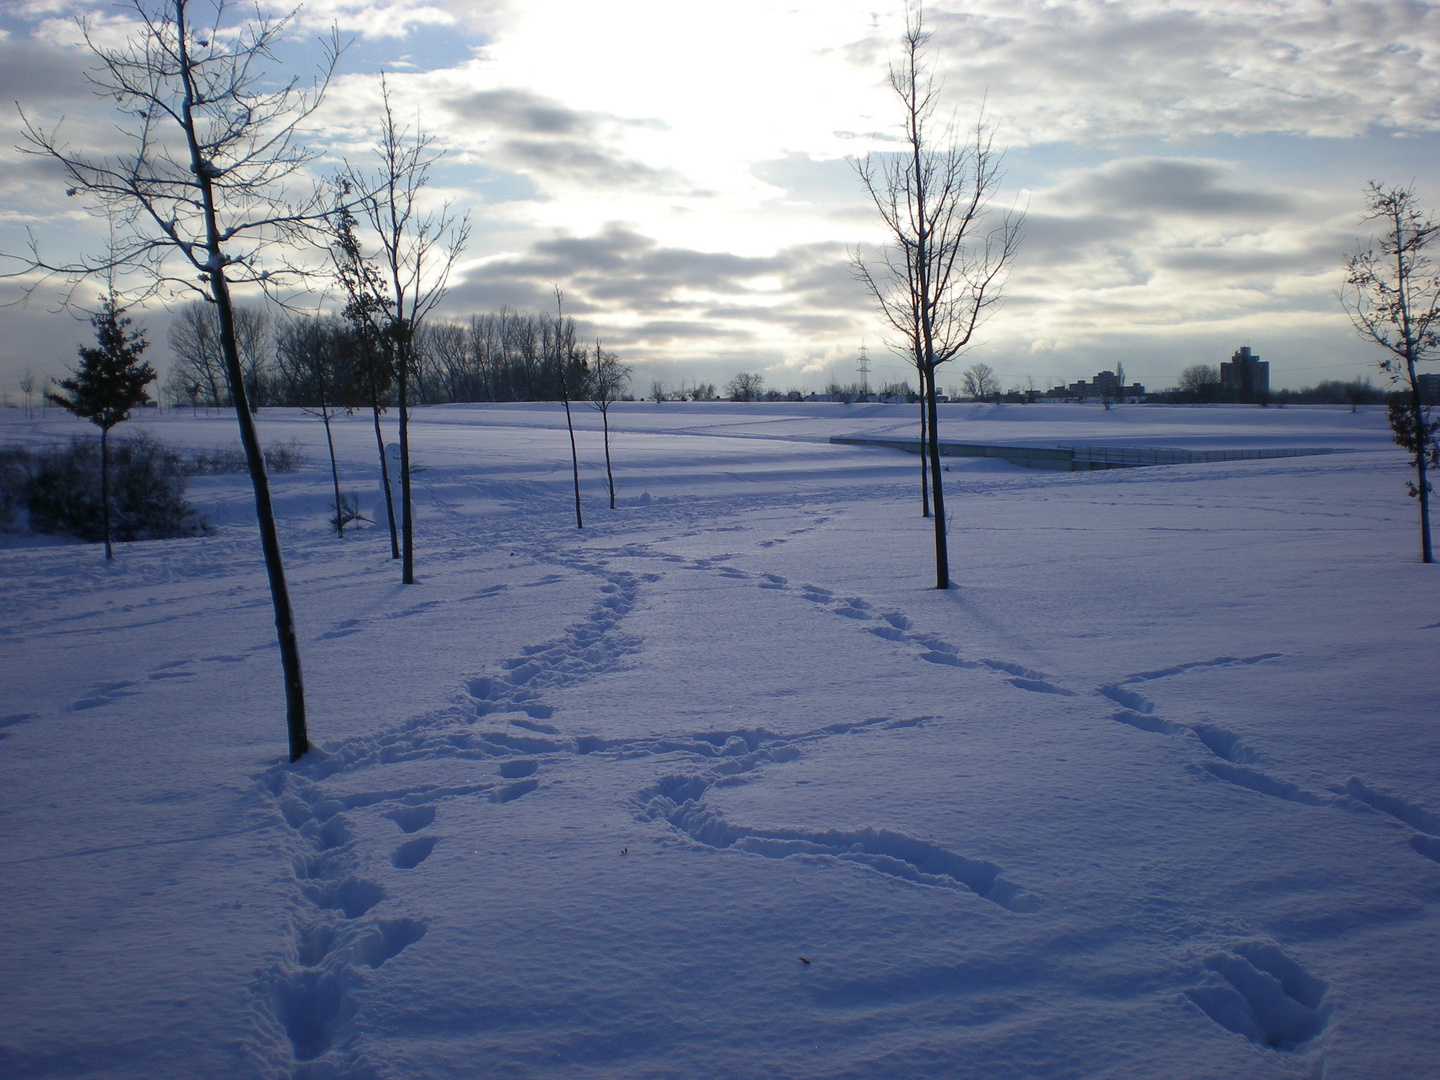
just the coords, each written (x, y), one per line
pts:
(307, 361)
(1355, 392)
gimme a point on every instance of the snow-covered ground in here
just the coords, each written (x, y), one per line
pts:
(719, 786)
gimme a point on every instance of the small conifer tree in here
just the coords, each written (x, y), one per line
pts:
(109, 382)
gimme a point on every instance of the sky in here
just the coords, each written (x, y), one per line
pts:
(1191, 173)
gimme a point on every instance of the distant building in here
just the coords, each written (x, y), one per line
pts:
(1429, 388)
(1246, 377)
(1106, 384)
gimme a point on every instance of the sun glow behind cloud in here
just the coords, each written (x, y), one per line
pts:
(1191, 170)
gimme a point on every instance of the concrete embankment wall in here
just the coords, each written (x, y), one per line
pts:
(1085, 458)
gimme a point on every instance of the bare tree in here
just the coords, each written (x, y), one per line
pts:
(195, 340)
(1392, 295)
(979, 382)
(418, 249)
(657, 391)
(374, 363)
(608, 377)
(27, 387)
(315, 357)
(254, 340)
(948, 253)
(200, 200)
(564, 362)
(1200, 381)
(746, 386)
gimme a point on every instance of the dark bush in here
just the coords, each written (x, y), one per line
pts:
(61, 489)
(221, 460)
(284, 457)
(14, 477)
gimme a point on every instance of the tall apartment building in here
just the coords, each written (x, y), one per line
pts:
(1246, 376)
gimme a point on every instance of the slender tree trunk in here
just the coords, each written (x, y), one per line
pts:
(937, 491)
(609, 476)
(407, 516)
(265, 515)
(924, 449)
(105, 488)
(385, 482)
(1422, 438)
(334, 469)
(230, 352)
(574, 462)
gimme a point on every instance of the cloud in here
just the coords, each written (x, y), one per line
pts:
(652, 299)
(1085, 69)
(1182, 187)
(35, 72)
(518, 110)
(521, 130)
(374, 18)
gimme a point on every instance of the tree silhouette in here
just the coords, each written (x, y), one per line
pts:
(108, 384)
(201, 189)
(1392, 295)
(947, 257)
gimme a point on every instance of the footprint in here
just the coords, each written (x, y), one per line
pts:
(1417, 817)
(1261, 993)
(1145, 723)
(772, 581)
(414, 609)
(1429, 846)
(947, 658)
(12, 720)
(314, 944)
(513, 770)
(1223, 744)
(104, 694)
(352, 897)
(1262, 783)
(412, 853)
(511, 792)
(1128, 699)
(308, 1005)
(412, 819)
(387, 939)
(1018, 670)
(1219, 661)
(329, 835)
(343, 628)
(1040, 686)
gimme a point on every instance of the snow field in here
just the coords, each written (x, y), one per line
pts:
(1151, 793)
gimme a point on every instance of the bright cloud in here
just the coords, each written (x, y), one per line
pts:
(1191, 170)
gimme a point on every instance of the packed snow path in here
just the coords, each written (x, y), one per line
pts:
(719, 788)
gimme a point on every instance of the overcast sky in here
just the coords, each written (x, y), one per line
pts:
(1192, 172)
